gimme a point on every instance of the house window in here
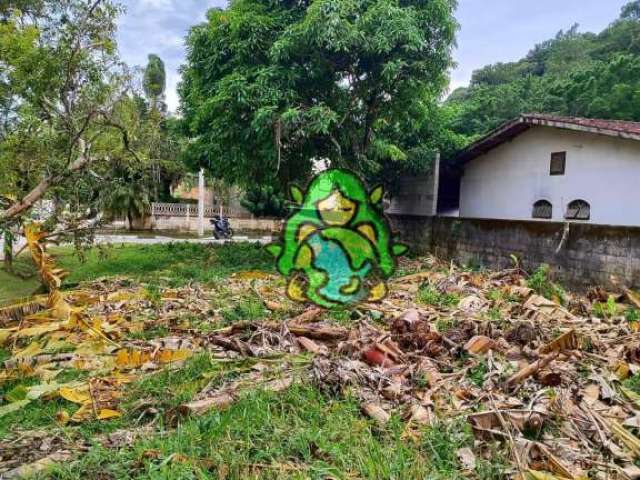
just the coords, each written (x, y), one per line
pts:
(558, 163)
(578, 210)
(542, 209)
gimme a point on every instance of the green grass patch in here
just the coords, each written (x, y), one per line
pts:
(476, 374)
(633, 383)
(177, 263)
(38, 413)
(429, 295)
(300, 433)
(13, 287)
(247, 309)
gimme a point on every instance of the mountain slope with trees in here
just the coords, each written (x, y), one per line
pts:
(577, 74)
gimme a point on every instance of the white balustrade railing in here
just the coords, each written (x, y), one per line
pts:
(191, 210)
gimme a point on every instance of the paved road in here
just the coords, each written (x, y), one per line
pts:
(118, 239)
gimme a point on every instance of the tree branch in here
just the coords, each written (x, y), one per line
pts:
(39, 190)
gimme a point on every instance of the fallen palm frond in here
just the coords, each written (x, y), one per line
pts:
(50, 274)
(17, 309)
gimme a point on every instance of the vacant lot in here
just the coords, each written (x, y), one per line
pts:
(187, 361)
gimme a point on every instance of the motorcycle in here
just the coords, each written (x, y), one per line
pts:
(221, 227)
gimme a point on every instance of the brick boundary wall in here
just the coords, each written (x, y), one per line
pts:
(590, 254)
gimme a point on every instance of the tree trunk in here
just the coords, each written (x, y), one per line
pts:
(8, 251)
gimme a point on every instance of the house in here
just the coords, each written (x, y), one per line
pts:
(548, 168)
(416, 194)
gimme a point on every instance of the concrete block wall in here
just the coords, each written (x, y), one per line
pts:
(590, 254)
(190, 224)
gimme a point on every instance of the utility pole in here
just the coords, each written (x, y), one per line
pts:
(201, 203)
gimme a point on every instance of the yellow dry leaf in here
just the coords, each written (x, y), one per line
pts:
(168, 356)
(39, 330)
(124, 359)
(125, 295)
(628, 439)
(252, 275)
(46, 373)
(5, 333)
(537, 475)
(94, 347)
(107, 413)
(60, 309)
(170, 295)
(623, 371)
(76, 395)
(30, 350)
(84, 413)
(37, 391)
(567, 341)
(62, 417)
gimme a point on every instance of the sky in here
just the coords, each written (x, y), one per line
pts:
(490, 30)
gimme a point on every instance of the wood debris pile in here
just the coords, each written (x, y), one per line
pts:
(550, 383)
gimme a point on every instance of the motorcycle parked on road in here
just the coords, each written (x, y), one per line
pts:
(221, 227)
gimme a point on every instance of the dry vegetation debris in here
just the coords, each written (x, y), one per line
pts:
(549, 380)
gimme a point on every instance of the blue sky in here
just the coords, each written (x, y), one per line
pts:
(491, 30)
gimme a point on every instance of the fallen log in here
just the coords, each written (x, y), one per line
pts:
(307, 316)
(321, 332)
(376, 412)
(224, 399)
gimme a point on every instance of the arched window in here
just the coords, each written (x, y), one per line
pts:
(578, 210)
(542, 209)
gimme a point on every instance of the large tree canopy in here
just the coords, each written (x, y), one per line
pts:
(272, 85)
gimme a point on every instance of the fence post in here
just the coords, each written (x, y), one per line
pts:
(201, 202)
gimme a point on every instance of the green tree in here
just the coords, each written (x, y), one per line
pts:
(63, 84)
(154, 81)
(269, 87)
(631, 11)
(265, 202)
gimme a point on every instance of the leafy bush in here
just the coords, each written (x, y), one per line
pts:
(606, 309)
(632, 315)
(265, 202)
(541, 283)
(428, 295)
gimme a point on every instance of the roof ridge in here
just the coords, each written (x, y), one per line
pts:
(614, 128)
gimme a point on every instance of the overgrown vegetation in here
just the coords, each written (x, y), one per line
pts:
(138, 360)
(541, 283)
(429, 295)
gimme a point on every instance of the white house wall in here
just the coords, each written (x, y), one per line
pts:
(505, 182)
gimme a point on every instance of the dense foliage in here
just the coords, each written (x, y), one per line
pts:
(270, 86)
(578, 74)
(74, 129)
(155, 80)
(265, 202)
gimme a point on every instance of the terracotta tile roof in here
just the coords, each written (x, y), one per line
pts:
(509, 130)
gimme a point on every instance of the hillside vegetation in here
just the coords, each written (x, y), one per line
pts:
(577, 74)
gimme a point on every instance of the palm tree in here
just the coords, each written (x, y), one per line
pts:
(130, 198)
